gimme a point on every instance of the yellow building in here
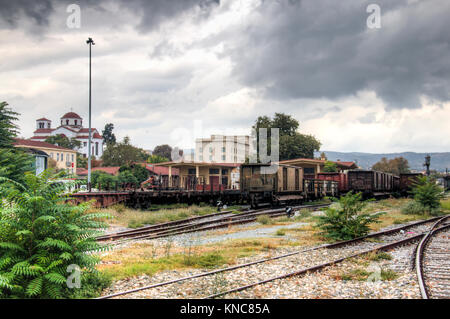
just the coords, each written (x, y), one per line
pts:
(65, 158)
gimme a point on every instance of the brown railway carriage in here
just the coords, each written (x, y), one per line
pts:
(371, 183)
(280, 183)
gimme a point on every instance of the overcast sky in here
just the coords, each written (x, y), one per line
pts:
(170, 71)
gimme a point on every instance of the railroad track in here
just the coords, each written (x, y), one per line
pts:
(199, 223)
(348, 249)
(433, 262)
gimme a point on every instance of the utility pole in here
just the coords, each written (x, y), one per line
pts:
(90, 42)
(427, 163)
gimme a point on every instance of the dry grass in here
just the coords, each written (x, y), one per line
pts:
(145, 258)
(133, 218)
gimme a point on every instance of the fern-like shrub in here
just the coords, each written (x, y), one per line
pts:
(428, 195)
(41, 235)
(344, 220)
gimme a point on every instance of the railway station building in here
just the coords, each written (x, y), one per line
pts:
(313, 166)
(200, 175)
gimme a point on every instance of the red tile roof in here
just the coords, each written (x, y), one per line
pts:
(44, 130)
(30, 143)
(43, 119)
(161, 170)
(346, 164)
(71, 115)
(113, 170)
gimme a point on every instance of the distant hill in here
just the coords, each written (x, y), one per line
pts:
(439, 161)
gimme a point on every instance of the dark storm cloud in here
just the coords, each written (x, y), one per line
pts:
(12, 11)
(152, 12)
(323, 48)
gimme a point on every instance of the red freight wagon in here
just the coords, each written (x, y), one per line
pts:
(341, 178)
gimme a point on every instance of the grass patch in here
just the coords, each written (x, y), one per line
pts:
(377, 256)
(445, 204)
(388, 274)
(264, 220)
(130, 267)
(134, 218)
(280, 232)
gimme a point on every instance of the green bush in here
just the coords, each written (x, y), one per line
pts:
(41, 235)
(264, 219)
(428, 194)
(126, 177)
(413, 208)
(344, 221)
(106, 181)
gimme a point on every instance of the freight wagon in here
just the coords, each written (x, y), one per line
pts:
(371, 183)
(284, 184)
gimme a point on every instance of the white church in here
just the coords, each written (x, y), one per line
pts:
(71, 126)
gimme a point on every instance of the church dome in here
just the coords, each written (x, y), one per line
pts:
(71, 115)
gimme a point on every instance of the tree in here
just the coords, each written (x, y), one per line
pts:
(8, 129)
(138, 171)
(163, 151)
(127, 177)
(108, 135)
(395, 166)
(63, 141)
(292, 143)
(427, 193)
(156, 159)
(41, 235)
(344, 220)
(14, 163)
(123, 153)
(330, 167)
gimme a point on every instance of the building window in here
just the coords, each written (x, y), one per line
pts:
(67, 122)
(72, 157)
(62, 157)
(225, 171)
(57, 156)
(84, 144)
(210, 157)
(41, 125)
(214, 171)
(201, 149)
(96, 148)
(201, 158)
(223, 157)
(191, 171)
(210, 149)
(51, 155)
(48, 125)
(76, 122)
(223, 149)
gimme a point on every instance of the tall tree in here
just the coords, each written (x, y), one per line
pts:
(63, 141)
(395, 166)
(8, 129)
(123, 153)
(163, 151)
(108, 135)
(14, 163)
(292, 143)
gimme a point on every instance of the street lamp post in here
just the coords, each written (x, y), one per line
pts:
(91, 43)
